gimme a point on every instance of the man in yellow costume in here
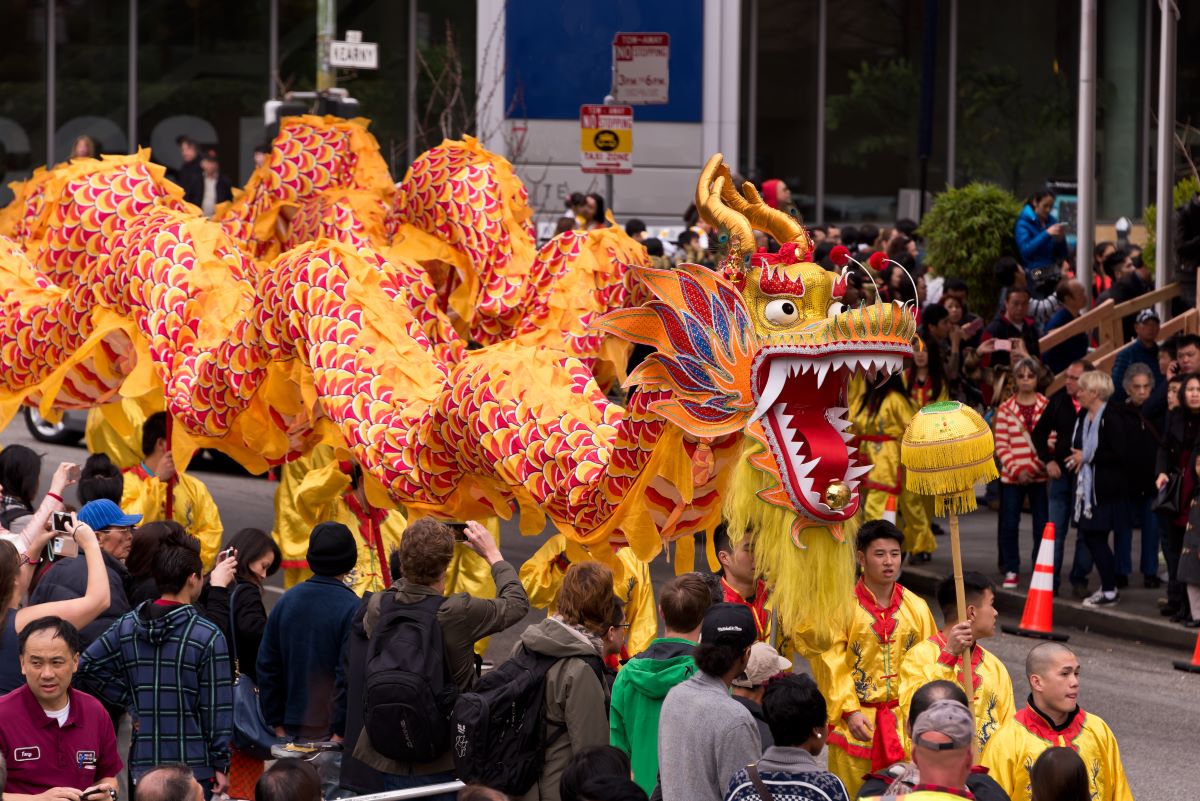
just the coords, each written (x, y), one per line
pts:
(860, 673)
(1053, 718)
(940, 657)
(542, 576)
(880, 417)
(157, 490)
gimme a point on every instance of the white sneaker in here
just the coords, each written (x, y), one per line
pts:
(1011, 581)
(1098, 598)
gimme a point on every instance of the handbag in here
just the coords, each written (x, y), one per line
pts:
(251, 734)
(1167, 500)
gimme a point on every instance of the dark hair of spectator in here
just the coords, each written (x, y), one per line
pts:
(1037, 196)
(686, 238)
(927, 694)
(1005, 270)
(1099, 248)
(586, 597)
(564, 225)
(1059, 774)
(867, 234)
(289, 780)
(716, 660)
(1084, 363)
(610, 788)
(975, 587)
(635, 227)
(1184, 341)
(691, 215)
(20, 469)
(873, 530)
(720, 537)
(933, 314)
(954, 285)
(100, 478)
(10, 565)
(794, 708)
(713, 582)
(425, 551)
(598, 760)
(394, 565)
(177, 560)
(683, 601)
(1114, 261)
(936, 367)
(154, 429)
(875, 395)
(251, 545)
(147, 539)
(653, 245)
(850, 236)
(907, 227)
(57, 627)
(821, 254)
(1018, 290)
(574, 199)
(598, 217)
(1181, 394)
(174, 785)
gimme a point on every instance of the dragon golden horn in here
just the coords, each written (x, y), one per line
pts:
(710, 191)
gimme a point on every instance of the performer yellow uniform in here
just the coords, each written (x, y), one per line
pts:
(992, 704)
(1014, 748)
(191, 507)
(102, 436)
(542, 577)
(291, 530)
(879, 436)
(861, 673)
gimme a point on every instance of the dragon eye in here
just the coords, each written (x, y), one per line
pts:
(836, 308)
(782, 312)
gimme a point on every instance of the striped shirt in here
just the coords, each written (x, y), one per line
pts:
(1014, 447)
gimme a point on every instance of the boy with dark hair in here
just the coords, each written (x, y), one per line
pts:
(739, 578)
(859, 674)
(640, 688)
(170, 666)
(940, 657)
(188, 503)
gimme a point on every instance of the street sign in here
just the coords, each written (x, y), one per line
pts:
(640, 68)
(354, 55)
(606, 139)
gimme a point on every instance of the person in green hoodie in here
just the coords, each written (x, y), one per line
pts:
(642, 684)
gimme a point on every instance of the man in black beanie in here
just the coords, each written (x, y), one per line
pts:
(301, 653)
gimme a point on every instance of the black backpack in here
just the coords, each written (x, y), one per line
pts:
(410, 691)
(499, 739)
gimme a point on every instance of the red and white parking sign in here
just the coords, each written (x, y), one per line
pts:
(606, 139)
(641, 74)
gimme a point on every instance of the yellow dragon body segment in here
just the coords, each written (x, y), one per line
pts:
(362, 320)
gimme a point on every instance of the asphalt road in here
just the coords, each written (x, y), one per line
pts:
(1153, 709)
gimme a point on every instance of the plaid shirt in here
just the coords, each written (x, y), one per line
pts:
(170, 667)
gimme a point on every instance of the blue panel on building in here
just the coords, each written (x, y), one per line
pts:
(559, 55)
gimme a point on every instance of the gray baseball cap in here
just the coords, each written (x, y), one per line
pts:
(947, 717)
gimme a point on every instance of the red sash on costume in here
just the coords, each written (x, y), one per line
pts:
(370, 527)
(886, 748)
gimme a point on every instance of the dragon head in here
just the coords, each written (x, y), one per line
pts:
(766, 347)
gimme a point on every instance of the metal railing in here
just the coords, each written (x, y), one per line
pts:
(412, 792)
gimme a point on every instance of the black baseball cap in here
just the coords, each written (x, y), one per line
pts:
(729, 624)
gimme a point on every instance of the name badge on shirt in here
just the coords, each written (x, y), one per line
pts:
(85, 760)
(27, 753)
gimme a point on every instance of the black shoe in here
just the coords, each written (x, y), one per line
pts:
(921, 558)
(1192, 624)
(938, 531)
(1181, 617)
(1122, 582)
(1080, 591)
(1151, 582)
(1169, 611)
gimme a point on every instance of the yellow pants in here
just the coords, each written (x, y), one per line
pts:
(850, 770)
(910, 509)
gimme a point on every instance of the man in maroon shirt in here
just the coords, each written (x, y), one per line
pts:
(58, 742)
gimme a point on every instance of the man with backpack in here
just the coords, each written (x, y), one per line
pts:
(420, 654)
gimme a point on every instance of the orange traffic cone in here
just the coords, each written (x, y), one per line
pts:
(889, 508)
(1038, 620)
(1194, 665)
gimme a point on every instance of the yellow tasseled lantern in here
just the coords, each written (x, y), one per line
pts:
(946, 449)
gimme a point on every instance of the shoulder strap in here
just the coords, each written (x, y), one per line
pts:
(756, 780)
(233, 629)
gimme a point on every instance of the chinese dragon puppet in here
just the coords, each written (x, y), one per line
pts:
(325, 304)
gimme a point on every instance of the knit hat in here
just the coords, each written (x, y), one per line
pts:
(103, 513)
(331, 549)
(729, 624)
(947, 717)
(764, 663)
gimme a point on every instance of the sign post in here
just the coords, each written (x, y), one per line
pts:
(640, 68)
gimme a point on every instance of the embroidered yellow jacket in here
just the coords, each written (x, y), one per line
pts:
(1012, 751)
(878, 437)
(993, 702)
(542, 577)
(192, 507)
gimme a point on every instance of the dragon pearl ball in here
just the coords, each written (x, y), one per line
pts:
(837, 495)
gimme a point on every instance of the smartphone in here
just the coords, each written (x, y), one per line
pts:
(460, 531)
(225, 554)
(1003, 344)
(61, 522)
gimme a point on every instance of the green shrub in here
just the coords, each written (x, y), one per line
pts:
(965, 232)
(1184, 190)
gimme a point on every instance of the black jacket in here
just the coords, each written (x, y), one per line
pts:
(194, 191)
(1001, 328)
(1187, 237)
(1180, 435)
(67, 580)
(1058, 418)
(249, 620)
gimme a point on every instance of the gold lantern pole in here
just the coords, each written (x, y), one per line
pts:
(948, 448)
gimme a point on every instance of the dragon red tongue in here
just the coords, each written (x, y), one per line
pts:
(808, 425)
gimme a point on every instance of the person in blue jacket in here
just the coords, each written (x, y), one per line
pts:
(1041, 241)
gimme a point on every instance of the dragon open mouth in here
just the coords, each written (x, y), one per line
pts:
(802, 403)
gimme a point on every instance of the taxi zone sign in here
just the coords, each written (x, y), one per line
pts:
(606, 139)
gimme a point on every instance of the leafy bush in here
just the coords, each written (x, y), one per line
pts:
(966, 231)
(1184, 190)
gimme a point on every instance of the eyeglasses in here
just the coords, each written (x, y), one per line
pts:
(622, 626)
(120, 531)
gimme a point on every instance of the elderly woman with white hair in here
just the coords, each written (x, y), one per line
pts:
(1099, 455)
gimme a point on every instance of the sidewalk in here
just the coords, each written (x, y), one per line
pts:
(1136, 618)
